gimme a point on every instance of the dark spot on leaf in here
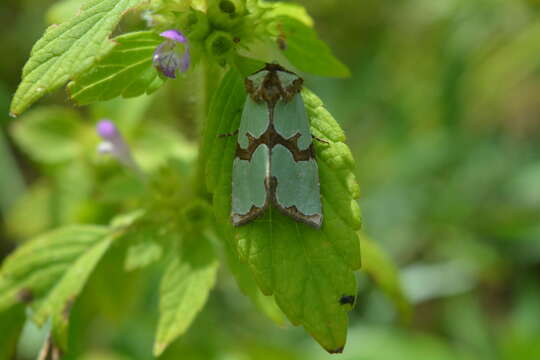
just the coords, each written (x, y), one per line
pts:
(25, 296)
(336, 351)
(236, 39)
(347, 299)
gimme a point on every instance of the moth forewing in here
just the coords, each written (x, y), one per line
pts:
(253, 124)
(251, 166)
(290, 121)
(297, 189)
(250, 197)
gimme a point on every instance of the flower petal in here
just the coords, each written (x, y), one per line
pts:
(174, 35)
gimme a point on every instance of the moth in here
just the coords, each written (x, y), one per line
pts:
(275, 159)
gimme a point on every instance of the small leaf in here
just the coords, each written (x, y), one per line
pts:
(49, 134)
(306, 51)
(125, 71)
(142, 254)
(51, 270)
(308, 271)
(11, 323)
(189, 277)
(384, 273)
(67, 50)
(146, 246)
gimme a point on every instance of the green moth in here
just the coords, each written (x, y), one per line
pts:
(275, 160)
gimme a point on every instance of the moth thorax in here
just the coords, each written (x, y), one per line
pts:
(271, 93)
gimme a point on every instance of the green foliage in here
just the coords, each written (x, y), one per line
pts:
(11, 323)
(50, 271)
(34, 269)
(125, 71)
(49, 135)
(63, 10)
(307, 270)
(171, 229)
(67, 50)
(305, 50)
(187, 280)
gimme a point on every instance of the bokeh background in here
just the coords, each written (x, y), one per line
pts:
(442, 114)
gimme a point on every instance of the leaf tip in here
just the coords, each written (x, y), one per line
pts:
(336, 351)
(159, 348)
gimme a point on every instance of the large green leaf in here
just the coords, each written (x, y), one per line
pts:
(67, 50)
(308, 271)
(305, 50)
(51, 270)
(248, 286)
(126, 71)
(189, 277)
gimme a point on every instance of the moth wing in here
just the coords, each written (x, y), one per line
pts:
(290, 119)
(254, 122)
(296, 187)
(251, 166)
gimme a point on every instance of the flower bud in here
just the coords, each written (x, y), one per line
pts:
(219, 44)
(195, 24)
(225, 14)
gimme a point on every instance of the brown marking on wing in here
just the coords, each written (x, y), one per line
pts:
(253, 213)
(271, 90)
(272, 138)
(292, 211)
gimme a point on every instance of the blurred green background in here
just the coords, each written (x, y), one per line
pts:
(442, 113)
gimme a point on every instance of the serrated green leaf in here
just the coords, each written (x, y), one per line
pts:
(125, 71)
(11, 323)
(63, 11)
(306, 51)
(188, 279)
(307, 270)
(67, 50)
(51, 270)
(49, 134)
(384, 273)
(248, 286)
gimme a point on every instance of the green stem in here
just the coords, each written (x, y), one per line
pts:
(209, 77)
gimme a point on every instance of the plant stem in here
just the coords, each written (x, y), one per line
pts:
(210, 75)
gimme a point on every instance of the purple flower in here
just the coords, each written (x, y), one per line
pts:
(113, 143)
(172, 54)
